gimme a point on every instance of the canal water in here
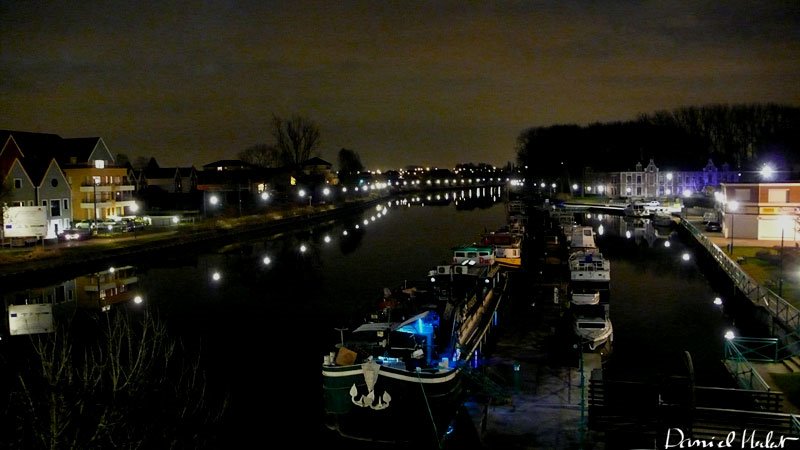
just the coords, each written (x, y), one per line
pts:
(264, 312)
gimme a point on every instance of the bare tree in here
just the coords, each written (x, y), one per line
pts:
(295, 138)
(349, 165)
(134, 388)
(261, 155)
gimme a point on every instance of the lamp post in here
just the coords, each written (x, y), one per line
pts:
(95, 182)
(780, 277)
(783, 222)
(733, 205)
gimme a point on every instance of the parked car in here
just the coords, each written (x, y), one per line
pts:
(713, 226)
(133, 224)
(75, 234)
(709, 217)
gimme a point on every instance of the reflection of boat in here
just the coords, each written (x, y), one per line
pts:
(636, 210)
(593, 326)
(401, 381)
(589, 266)
(663, 219)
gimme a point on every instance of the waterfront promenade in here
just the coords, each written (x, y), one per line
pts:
(21, 264)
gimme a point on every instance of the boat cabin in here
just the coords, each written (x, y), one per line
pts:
(583, 237)
(403, 345)
(483, 255)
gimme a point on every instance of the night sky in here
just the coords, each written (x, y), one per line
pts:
(432, 83)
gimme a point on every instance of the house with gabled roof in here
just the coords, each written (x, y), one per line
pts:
(169, 179)
(319, 167)
(34, 178)
(53, 192)
(99, 188)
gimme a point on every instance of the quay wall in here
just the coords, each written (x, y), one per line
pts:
(749, 300)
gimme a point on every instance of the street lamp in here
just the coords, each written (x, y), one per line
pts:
(767, 171)
(95, 182)
(783, 221)
(733, 205)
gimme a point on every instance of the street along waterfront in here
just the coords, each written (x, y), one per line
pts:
(263, 311)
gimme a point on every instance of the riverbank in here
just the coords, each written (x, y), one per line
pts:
(21, 265)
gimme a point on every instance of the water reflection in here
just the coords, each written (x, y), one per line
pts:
(266, 285)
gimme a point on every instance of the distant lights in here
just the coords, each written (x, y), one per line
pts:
(267, 260)
(686, 257)
(717, 301)
(327, 239)
(216, 276)
(729, 335)
(303, 248)
(667, 244)
(137, 299)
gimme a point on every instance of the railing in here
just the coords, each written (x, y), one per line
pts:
(642, 408)
(739, 365)
(778, 308)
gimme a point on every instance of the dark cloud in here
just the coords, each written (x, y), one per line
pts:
(400, 83)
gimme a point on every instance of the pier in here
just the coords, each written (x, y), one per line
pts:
(561, 399)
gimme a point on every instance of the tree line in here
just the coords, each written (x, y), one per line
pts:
(742, 136)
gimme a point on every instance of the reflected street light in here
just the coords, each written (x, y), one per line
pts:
(733, 205)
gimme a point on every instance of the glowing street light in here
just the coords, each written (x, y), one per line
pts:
(729, 335)
(767, 171)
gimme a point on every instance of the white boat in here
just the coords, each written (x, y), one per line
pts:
(589, 266)
(582, 239)
(593, 330)
(585, 297)
(473, 254)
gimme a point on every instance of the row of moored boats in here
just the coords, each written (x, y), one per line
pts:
(589, 280)
(397, 377)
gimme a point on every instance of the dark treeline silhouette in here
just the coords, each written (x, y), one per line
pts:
(742, 136)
